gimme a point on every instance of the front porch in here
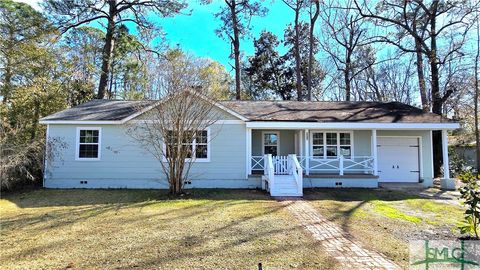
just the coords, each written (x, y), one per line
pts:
(299, 158)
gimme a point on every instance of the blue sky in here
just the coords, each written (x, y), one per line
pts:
(196, 33)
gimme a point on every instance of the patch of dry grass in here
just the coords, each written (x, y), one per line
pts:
(386, 220)
(147, 229)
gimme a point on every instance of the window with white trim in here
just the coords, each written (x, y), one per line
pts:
(331, 144)
(193, 142)
(88, 143)
(270, 143)
(317, 144)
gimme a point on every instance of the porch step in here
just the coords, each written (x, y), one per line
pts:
(285, 185)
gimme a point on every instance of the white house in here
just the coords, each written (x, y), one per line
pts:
(283, 146)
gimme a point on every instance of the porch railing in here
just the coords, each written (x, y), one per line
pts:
(269, 171)
(339, 165)
(296, 170)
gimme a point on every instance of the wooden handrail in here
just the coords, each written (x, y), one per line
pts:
(297, 172)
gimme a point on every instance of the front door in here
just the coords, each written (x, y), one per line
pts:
(271, 142)
(398, 159)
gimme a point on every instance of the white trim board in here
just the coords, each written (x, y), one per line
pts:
(350, 126)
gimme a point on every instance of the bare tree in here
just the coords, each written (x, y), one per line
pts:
(344, 34)
(176, 129)
(75, 13)
(311, 38)
(175, 132)
(426, 22)
(235, 19)
(297, 6)
(388, 81)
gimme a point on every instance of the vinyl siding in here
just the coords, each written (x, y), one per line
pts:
(123, 163)
(287, 142)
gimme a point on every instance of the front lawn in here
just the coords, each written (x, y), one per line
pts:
(145, 229)
(385, 220)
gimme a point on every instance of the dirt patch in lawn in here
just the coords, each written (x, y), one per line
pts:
(147, 229)
(386, 220)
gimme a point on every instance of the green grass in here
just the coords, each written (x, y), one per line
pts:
(386, 220)
(388, 210)
(148, 229)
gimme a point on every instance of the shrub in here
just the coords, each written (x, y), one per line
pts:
(470, 193)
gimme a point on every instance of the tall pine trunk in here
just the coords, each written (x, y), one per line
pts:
(236, 50)
(107, 51)
(311, 40)
(476, 96)
(298, 60)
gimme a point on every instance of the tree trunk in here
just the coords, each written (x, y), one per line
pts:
(236, 50)
(421, 76)
(310, 52)
(437, 101)
(476, 96)
(7, 83)
(36, 116)
(346, 78)
(298, 60)
(107, 51)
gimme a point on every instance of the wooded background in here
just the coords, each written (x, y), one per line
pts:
(420, 52)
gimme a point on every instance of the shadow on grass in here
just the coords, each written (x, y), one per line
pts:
(87, 197)
(85, 204)
(358, 198)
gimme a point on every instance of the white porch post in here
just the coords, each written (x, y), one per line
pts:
(307, 152)
(300, 142)
(446, 182)
(375, 151)
(248, 163)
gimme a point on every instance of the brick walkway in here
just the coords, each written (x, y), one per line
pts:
(336, 242)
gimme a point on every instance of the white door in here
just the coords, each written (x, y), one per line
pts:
(398, 159)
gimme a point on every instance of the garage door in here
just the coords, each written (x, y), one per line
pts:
(398, 159)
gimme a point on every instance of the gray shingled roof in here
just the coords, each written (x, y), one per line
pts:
(302, 111)
(326, 111)
(99, 110)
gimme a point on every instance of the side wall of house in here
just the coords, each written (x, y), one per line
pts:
(125, 164)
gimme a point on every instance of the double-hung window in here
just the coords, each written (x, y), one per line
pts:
(195, 143)
(331, 144)
(88, 143)
(270, 143)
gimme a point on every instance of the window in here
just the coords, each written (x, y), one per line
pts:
(88, 143)
(345, 145)
(270, 143)
(317, 142)
(194, 143)
(331, 144)
(201, 144)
